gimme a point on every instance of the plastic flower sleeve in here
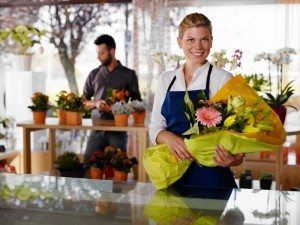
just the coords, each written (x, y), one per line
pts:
(202, 147)
(162, 167)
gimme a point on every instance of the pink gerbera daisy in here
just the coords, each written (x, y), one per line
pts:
(209, 117)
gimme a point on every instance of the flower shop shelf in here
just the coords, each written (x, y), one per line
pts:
(8, 155)
(87, 124)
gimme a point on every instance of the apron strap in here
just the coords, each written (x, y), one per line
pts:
(171, 84)
(207, 82)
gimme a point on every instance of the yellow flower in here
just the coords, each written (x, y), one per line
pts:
(229, 121)
(249, 129)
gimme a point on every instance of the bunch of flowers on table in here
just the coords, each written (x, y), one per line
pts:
(116, 95)
(236, 118)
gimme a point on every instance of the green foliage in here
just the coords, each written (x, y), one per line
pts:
(68, 161)
(40, 102)
(282, 97)
(61, 100)
(23, 36)
(257, 82)
(246, 173)
(74, 103)
(266, 176)
(121, 162)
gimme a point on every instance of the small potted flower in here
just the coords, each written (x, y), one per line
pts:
(121, 110)
(74, 107)
(139, 113)
(265, 181)
(39, 107)
(61, 106)
(108, 168)
(246, 179)
(96, 165)
(122, 165)
(68, 164)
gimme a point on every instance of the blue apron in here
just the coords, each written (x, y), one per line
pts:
(172, 110)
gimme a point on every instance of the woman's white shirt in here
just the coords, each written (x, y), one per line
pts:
(218, 78)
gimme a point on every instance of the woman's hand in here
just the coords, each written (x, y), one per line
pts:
(225, 159)
(175, 143)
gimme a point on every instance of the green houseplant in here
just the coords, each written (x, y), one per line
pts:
(278, 93)
(21, 38)
(278, 102)
(265, 180)
(246, 178)
(68, 164)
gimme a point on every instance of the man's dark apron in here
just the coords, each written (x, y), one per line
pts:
(172, 110)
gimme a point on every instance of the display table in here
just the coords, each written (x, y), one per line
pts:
(87, 124)
(32, 199)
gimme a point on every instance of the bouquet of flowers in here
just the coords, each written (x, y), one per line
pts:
(236, 118)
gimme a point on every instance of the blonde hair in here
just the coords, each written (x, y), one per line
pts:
(194, 20)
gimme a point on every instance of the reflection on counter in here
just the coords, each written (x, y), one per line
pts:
(30, 199)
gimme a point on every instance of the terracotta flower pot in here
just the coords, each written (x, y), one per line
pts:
(62, 116)
(139, 117)
(120, 176)
(74, 118)
(39, 117)
(96, 173)
(108, 172)
(121, 120)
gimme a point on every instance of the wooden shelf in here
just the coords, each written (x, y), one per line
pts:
(8, 155)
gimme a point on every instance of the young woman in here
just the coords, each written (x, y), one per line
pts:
(168, 120)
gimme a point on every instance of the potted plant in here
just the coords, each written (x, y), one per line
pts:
(277, 102)
(265, 181)
(74, 107)
(108, 168)
(246, 179)
(122, 165)
(121, 110)
(39, 107)
(20, 40)
(278, 93)
(68, 164)
(61, 106)
(96, 165)
(139, 111)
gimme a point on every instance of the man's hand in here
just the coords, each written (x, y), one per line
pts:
(103, 106)
(225, 159)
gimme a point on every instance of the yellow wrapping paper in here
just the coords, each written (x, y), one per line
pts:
(238, 86)
(167, 207)
(163, 172)
(203, 147)
(162, 167)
